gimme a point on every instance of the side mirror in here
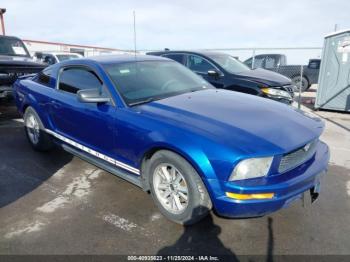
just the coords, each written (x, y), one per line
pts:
(92, 96)
(213, 73)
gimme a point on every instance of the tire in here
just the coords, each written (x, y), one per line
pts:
(35, 131)
(164, 166)
(305, 83)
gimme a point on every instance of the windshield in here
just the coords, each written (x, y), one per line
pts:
(229, 63)
(146, 81)
(12, 47)
(66, 57)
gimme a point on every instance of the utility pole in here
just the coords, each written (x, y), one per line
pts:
(2, 12)
(135, 48)
(335, 27)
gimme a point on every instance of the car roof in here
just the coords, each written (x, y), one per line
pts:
(196, 52)
(58, 53)
(114, 59)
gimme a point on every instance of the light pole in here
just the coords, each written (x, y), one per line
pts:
(2, 12)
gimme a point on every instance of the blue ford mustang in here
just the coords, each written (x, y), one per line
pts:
(158, 125)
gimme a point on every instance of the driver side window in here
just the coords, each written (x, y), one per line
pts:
(74, 79)
(199, 64)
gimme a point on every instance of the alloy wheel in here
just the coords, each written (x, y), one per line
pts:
(171, 188)
(33, 128)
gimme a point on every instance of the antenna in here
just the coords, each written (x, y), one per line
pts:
(134, 32)
(336, 27)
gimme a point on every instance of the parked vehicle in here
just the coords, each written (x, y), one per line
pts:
(55, 57)
(224, 71)
(278, 63)
(266, 61)
(14, 61)
(158, 125)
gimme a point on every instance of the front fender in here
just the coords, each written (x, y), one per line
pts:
(196, 157)
(245, 86)
(211, 161)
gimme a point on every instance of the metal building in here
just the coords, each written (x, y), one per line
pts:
(334, 80)
(45, 46)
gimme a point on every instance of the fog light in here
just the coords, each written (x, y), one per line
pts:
(250, 196)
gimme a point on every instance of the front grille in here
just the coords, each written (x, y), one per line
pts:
(289, 89)
(297, 157)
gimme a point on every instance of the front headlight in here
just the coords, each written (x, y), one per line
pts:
(251, 168)
(276, 92)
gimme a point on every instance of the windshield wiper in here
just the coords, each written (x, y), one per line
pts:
(148, 100)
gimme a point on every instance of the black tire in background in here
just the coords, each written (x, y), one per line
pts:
(199, 203)
(305, 83)
(44, 140)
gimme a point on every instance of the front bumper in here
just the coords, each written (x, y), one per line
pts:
(287, 187)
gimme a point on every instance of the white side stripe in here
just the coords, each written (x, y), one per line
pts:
(94, 153)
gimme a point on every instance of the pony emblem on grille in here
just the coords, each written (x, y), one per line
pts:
(307, 147)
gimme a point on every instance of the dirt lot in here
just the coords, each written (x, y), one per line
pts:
(55, 203)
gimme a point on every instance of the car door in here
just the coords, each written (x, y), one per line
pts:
(88, 124)
(201, 66)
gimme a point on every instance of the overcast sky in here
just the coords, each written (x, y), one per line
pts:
(177, 24)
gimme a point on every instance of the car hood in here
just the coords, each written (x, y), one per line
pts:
(243, 122)
(265, 77)
(19, 61)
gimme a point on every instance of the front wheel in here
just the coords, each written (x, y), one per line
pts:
(177, 189)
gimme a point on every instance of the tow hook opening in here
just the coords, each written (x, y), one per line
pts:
(314, 195)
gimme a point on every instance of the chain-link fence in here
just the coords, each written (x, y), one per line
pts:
(300, 64)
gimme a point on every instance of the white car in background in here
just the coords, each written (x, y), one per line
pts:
(55, 57)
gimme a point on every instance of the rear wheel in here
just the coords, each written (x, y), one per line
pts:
(177, 189)
(37, 137)
(304, 83)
